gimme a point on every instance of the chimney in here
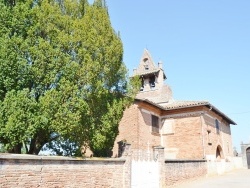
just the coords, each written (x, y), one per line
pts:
(160, 64)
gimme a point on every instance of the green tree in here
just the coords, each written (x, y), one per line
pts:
(62, 76)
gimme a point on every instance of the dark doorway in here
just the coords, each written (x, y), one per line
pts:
(248, 157)
(218, 156)
(219, 153)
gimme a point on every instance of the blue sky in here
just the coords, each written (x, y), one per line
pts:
(204, 46)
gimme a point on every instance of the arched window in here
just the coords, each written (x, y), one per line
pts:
(152, 81)
(145, 60)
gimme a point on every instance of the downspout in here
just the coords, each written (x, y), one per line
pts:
(202, 131)
(221, 125)
(162, 123)
(202, 136)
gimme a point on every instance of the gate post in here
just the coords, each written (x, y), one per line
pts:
(159, 156)
(127, 154)
(244, 154)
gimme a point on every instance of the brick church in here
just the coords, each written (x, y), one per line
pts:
(186, 129)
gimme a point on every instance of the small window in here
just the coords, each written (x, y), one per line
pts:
(155, 124)
(217, 126)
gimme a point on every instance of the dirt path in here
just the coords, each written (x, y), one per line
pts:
(235, 179)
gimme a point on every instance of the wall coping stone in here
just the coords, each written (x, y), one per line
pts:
(184, 160)
(8, 156)
(158, 147)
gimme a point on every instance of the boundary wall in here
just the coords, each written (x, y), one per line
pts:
(179, 171)
(35, 171)
(28, 171)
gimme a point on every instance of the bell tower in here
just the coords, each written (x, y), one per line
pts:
(152, 79)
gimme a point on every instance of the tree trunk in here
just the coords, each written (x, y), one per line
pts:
(32, 146)
(35, 146)
(16, 149)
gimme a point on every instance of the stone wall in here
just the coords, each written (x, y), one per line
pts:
(36, 171)
(178, 171)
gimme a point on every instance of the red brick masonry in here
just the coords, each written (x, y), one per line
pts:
(36, 171)
(178, 171)
(28, 171)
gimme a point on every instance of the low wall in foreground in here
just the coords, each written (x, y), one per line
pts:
(28, 171)
(36, 171)
(178, 171)
(224, 166)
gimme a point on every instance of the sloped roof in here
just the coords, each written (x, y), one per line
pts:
(147, 72)
(147, 60)
(188, 104)
(184, 104)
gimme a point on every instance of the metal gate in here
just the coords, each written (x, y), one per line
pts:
(145, 174)
(248, 157)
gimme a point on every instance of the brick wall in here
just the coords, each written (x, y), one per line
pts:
(186, 141)
(36, 171)
(213, 138)
(147, 138)
(196, 137)
(128, 129)
(158, 95)
(26, 171)
(136, 128)
(178, 171)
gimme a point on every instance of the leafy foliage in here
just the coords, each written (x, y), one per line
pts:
(62, 78)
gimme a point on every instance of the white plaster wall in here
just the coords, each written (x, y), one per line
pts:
(223, 166)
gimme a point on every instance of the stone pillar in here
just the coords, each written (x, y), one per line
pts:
(127, 154)
(159, 156)
(244, 154)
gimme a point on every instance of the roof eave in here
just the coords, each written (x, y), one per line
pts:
(210, 106)
(150, 102)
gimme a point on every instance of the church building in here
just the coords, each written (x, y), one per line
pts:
(186, 129)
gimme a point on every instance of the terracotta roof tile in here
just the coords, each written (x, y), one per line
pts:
(147, 72)
(187, 104)
(184, 104)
